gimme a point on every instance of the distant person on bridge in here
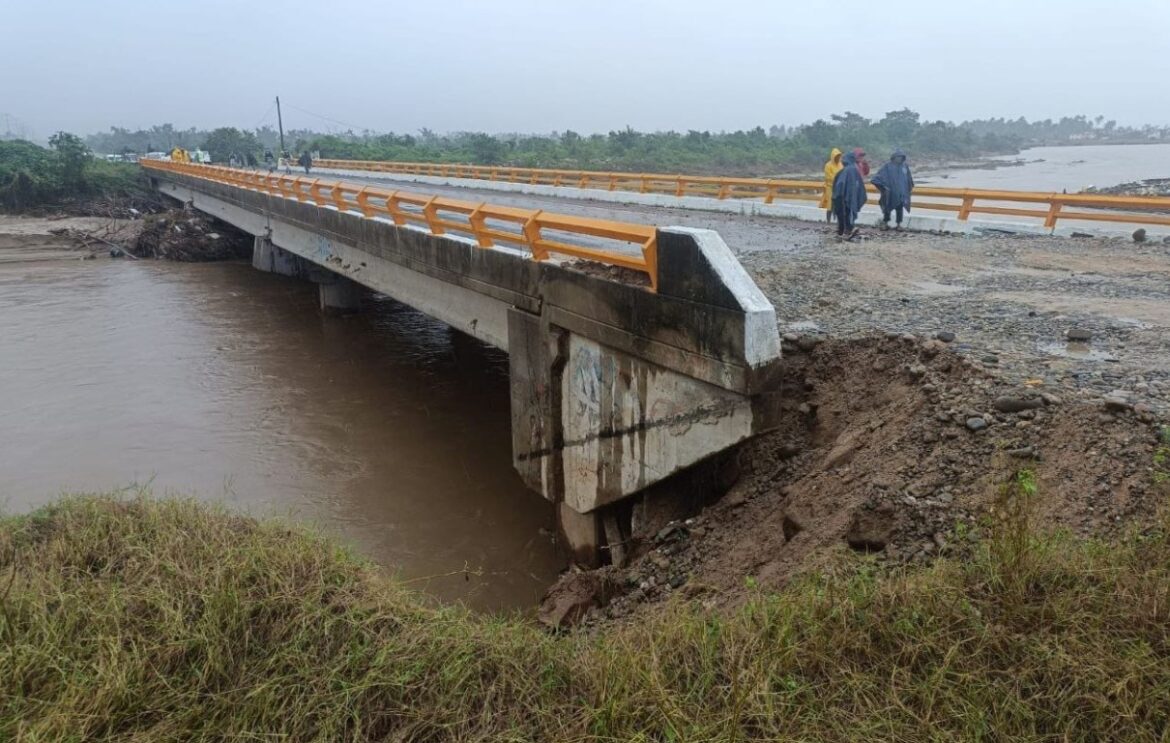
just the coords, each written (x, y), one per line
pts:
(305, 161)
(862, 163)
(832, 168)
(848, 197)
(895, 183)
(269, 160)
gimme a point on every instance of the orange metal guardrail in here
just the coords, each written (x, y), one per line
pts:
(485, 222)
(962, 202)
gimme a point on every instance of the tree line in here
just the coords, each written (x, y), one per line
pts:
(755, 151)
(65, 173)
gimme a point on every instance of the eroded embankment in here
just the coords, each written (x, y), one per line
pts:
(893, 447)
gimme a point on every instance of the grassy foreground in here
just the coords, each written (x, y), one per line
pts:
(166, 620)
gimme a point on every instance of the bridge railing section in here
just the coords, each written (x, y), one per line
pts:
(961, 202)
(542, 233)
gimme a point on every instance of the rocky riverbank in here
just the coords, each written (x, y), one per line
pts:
(1151, 187)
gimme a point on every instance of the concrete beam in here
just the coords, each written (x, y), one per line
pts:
(707, 320)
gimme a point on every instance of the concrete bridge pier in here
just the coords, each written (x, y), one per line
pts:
(268, 257)
(337, 294)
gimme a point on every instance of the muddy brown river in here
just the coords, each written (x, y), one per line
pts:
(217, 381)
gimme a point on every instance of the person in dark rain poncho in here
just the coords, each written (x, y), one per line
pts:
(848, 196)
(895, 183)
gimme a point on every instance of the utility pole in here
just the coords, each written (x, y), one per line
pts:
(280, 125)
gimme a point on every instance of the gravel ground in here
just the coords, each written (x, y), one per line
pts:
(1011, 302)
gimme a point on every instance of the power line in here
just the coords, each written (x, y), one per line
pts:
(266, 115)
(326, 118)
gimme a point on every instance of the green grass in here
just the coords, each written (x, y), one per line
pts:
(165, 620)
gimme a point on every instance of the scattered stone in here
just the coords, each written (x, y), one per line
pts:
(871, 530)
(807, 343)
(945, 336)
(661, 561)
(1139, 235)
(1024, 452)
(1008, 404)
(572, 598)
(976, 424)
(1079, 334)
(1117, 404)
(736, 497)
(791, 527)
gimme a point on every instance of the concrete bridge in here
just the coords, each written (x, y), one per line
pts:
(634, 352)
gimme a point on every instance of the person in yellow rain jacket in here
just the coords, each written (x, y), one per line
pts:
(832, 168)
(176, 155)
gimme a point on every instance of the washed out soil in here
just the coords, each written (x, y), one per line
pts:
(893, 446)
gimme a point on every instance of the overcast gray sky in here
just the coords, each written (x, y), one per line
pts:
(543, 65)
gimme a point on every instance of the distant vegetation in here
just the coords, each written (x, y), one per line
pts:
(164, 620)
(63, 174)
(756, 151)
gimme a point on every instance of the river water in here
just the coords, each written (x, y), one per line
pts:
(1070, 169)
(218, 381)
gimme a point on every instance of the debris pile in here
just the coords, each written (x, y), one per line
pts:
(189, 236)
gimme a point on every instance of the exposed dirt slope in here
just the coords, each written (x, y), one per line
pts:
(896, 447)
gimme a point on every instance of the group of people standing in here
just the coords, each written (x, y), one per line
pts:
(845, 194)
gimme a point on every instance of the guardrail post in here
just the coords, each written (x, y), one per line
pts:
(650, 255)
(724, 188)
(770, 196)
(315, 192)
(296, 189)
(680, 190)
(532, 235)
(363, 202)
(395, 212)
(965, 209)
(338, 198)
(479, 226)
(645, 185)
(1053, 213)
(429, 211)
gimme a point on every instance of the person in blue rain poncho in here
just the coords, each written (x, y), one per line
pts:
(895, 183)
(848, 196)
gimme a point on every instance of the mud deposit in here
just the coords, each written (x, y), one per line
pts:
(892, 446)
